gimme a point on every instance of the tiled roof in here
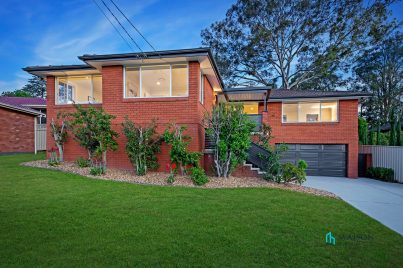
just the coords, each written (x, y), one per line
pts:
(22, 104)
(23, 101)
(290, 94)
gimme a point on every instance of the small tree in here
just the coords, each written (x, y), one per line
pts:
(92, 129)
(143, 144)
(59, 134)
(179, 142)
(230, 129)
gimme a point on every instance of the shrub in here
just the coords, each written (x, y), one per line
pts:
(97, 170)
(381, 173)
(143, 144)
(179, 153)
(171, 168)
(82, 162)
(92, 128)
(198, 176)
(291, 173)
(53, 159)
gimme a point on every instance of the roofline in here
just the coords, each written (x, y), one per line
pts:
(151, 54)
(246, 89)
(58, 68)
(191, 52)
(11, 107)
(35, 105)
(352, 97)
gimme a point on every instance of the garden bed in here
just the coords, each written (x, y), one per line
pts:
(159, 178)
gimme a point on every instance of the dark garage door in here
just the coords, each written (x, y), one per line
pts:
(322, 159)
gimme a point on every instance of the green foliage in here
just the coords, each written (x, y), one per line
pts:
(179, 142)
(291, 173)
(82, 162)
(302, 164)
(198, 176)
(92, 129)
(16, 93)
(53, 159)
(230, 130)
(171, 178)
(142, 145)
(293, 44)
(98, 170)
(379, 71)
(381, 173)
(36, 87)
(362, 131)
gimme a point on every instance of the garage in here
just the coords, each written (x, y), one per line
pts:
(322, 159)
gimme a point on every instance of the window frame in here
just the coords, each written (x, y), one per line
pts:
(141, 78)
(320, 111)
(72, 92)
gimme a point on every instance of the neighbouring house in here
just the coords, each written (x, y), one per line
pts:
(22, 125)
(181, 85)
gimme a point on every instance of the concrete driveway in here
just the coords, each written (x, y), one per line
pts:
(382, 201)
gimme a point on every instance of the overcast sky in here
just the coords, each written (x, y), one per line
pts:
(34, 32)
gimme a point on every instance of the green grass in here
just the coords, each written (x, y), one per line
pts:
(50, 218)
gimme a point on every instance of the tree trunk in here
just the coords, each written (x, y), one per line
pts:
(61, 156)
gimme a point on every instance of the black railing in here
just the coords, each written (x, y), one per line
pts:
(257, 118)
(256, 154)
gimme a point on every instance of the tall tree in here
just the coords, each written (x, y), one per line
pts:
(379, 71)
(292, 43)
(36, 87)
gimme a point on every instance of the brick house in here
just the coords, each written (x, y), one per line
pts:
(20, 119)
(181, 85)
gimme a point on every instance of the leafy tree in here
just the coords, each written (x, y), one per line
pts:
(379, 71)
(362, 131)
(293, 43)
(92, 129)
(143, 144)
(179, 152)
(230, 130)
(16, 93)
(36, 87)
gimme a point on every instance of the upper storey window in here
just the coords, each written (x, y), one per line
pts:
(156, 81)
(310, 112)
(79, 89)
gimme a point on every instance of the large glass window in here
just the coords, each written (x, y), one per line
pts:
(251, 108)
(309, 112)
(156, 81)
(79, 89)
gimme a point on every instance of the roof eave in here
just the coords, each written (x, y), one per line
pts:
(11, 107)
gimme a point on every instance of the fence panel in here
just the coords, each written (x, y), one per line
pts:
(41, 137)
(386, 156)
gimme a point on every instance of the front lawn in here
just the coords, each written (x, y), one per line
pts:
(50, 218)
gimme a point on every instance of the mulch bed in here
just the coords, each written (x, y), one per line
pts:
(159, 178)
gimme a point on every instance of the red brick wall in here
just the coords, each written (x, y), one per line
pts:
(16, 132)
(181, 110)
(343, 132)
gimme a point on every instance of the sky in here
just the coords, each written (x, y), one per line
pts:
(52, 32)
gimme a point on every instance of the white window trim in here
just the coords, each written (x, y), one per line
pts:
(320, 111)
(170, 81)
(73, 91)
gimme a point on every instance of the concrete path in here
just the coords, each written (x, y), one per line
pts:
(382, 201)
